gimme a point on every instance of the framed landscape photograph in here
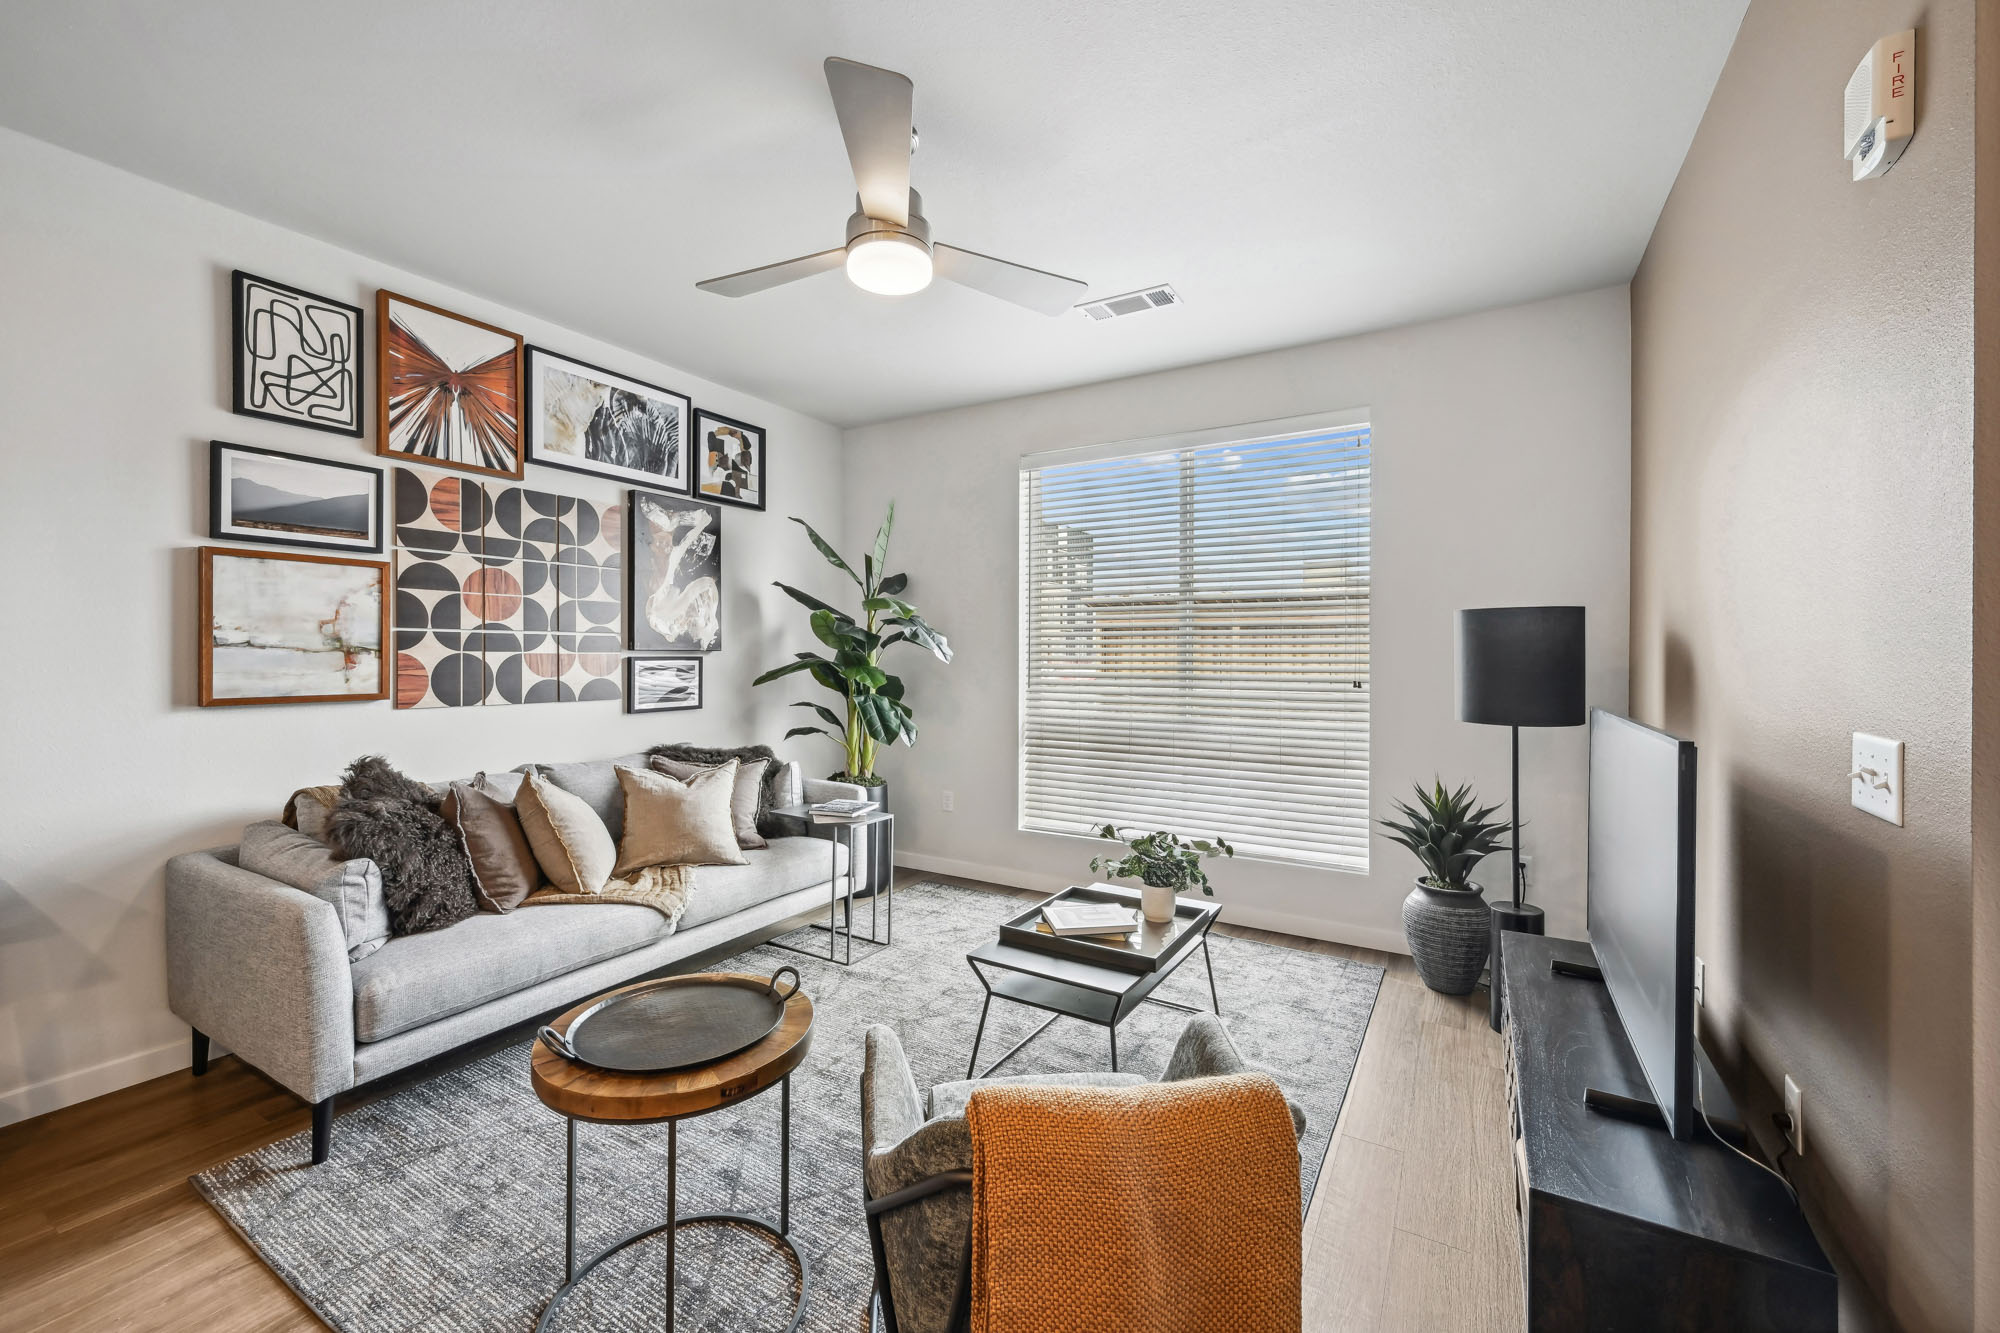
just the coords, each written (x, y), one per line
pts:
(449, 388)
(662, 684)
(729, 460)
(588, 419)
(282, 628)
(673, 548)
(296, 357)
(261, 495)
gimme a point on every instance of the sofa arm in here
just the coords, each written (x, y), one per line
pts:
(262, 968)
(825, 789)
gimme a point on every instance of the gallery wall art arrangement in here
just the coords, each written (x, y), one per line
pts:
(499, 593)
(676, 553)
(279, 627)
(589, 419)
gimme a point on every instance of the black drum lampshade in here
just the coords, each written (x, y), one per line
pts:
(1521, 666)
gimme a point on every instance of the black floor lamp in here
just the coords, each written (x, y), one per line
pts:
(1519, 666)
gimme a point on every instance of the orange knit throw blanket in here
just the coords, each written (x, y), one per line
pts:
(1161, 1208)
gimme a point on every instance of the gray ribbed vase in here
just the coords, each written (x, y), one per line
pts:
(1448, 931)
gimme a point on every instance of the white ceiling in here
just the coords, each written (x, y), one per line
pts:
(1298, 169)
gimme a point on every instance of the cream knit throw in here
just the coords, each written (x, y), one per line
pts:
(662, 888)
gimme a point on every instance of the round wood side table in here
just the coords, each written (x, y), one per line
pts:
(579, 1092)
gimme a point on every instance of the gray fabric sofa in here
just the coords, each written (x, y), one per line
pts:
(916, 1168)
(262, 968)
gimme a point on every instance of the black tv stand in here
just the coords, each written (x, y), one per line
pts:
(1623, 1226)
(1563, 967)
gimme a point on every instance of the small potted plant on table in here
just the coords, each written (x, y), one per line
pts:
(1165, 864)
(1445, 916)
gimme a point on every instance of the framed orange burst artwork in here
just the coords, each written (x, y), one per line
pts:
(449, 388)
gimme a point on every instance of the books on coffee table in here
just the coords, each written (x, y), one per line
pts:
(828, 811)
(1066, 919)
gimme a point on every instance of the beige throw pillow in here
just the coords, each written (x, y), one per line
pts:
(570, 841)
(669, 822)
(742, 802)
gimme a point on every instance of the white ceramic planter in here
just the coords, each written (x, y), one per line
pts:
(1156, 904)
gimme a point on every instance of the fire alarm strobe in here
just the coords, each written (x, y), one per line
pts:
(1882, 105)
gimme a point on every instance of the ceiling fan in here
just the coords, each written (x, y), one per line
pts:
(889, 249)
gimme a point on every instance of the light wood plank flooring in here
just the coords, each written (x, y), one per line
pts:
(1411, 1227)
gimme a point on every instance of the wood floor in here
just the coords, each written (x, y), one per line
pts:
(1411, 1227)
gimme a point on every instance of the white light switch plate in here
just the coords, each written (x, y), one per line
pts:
(1875, 778)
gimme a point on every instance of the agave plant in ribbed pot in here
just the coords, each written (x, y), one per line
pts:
(1445, 916)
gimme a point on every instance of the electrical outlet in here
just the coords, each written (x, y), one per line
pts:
(950, 800)
(1527, 873)
(1875, 778)
(1700, 981)
(1795, 1107)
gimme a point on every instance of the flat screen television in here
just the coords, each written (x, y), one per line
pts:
(1641, 887)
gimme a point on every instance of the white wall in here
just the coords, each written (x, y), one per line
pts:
(1502, 477)
(114, 375)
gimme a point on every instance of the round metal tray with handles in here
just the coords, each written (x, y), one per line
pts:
(674, 1023)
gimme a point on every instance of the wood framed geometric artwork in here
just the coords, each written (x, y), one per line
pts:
(729, 460)
(262, 495)
(449, 388)
(588, 419)
(662, 684)
(674, 549)
(296, 357)
(283, 628)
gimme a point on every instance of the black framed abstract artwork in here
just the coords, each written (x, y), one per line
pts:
(280, 627)
(730, 460)
(448, 388)
(262, 495)
(296, 356)
(588, 419)
(662, 684)
(673, 548)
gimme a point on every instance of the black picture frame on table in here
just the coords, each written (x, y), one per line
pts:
(226, 530)
(632, 665)
(702, 416)
(533, 361)
(240, 285)
(641, 557)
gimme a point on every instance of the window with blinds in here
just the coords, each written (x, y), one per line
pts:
(1195, 642)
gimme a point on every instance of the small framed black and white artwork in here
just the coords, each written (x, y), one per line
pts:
(297, 357)
(588, 419)
(662, 684)
(261, 495)
(729, 460)
(673, 557)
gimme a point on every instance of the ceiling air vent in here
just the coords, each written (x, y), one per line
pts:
(1132, 303)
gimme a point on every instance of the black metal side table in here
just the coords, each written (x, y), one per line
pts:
(580, 1092)
(840, 930)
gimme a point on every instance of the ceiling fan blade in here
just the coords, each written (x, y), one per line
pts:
(1046, 293)
(774, 275)
(874, 109)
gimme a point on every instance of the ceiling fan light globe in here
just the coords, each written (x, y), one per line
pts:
(889, 264)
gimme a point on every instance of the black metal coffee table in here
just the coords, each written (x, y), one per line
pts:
(1070, 987)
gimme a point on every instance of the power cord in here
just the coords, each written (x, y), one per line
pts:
(1701, 1104)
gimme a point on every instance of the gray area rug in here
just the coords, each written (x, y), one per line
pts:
(442, 1206)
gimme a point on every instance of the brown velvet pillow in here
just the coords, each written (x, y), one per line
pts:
(742, 802)
(504, 869)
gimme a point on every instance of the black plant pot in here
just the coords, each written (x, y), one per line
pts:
(1449, 933)
(876, 869)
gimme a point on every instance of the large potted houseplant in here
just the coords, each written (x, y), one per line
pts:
(1165, 864)
(872, 710)
(1445, 916)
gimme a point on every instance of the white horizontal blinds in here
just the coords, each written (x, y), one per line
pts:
(1195, 638)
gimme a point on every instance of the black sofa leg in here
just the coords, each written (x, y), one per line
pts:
(322, 1130)
(200, 1052)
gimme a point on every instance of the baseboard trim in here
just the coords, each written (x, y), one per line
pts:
(80, 1085)
(1289, 923)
